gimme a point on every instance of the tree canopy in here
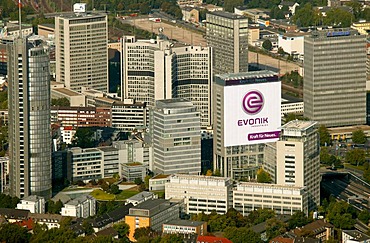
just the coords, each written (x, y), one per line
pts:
(267, 45)
(359, 137)
(355, 157)
(83, 138)
(263, 176)
(324, 136)
(60, 102)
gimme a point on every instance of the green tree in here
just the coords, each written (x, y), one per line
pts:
(274, 227)
(86, 225)
(7, 201)
(260, 215)
(13, 233)
(263, 176)
(355, 157)
(267, 45)
(341, 215)
(122, 228)
(138, 181)
(242, 235)
(146, 181)
(144, 232)
(324, 135)
(83, 138)
(364, 216)
(339, 17)
(114, 189)
(306, 16)
(172, 238)
(229, 5)
(60, 102)
(298, 219)
(359, 137)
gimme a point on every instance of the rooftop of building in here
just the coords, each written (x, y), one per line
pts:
(200, 177)
(316, 227)
(227, 15)
(81, 15)
(256, 184)
(287, 99)
(133, 164)
(150, 204)
(173, 103)
(108, 231)
(348, 129)
(212, 239)
(14, 213)
(140, 196)
(50, 26)
(66, 91)
(79, 200)
(46, 216)
(247, 75)
(108, 149)
(160, 176)
(359, 236)
(31, 198)
(299, 124)
(190, 223)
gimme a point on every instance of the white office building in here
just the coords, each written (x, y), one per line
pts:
(175, 129)
(248, 197)
(81, 207)
(200, 193)
(81, 51)
(33, 203)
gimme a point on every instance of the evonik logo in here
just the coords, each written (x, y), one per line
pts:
(253, 102)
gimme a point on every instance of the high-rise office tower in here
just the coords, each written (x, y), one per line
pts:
(175, 131)
(298, 159)
(29, 118)
(156, 69)
(242, 159)
(227, 34)
(81, 51)
(335, 77)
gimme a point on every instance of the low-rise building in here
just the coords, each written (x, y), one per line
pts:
(212, 239)
(190, 14)
(158, 182)
(290, 105)
(81, 207)
(141, 197)
(132, 171)
(67, 133)
(50, 220)
(151, 213)
(319, 229)
(185, 227)
(33, 203)
(14, 215)
(248, 196)
(354, 236)
(200, 193)
(74, 98)
(292, 43)
(363, 27)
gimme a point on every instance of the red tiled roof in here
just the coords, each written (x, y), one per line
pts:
(26, 224)
(280, 239)
(212, 239)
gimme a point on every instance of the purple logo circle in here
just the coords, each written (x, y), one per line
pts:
(253, 102)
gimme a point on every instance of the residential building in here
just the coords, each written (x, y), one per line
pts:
(227, 34)
(252, 13)
(241, 161)
(298, 159)
(50, 220)
(291, 6)
(212, 239)
(14, 215)
(175, 129)
(248, 197)
(67, 133)
(81, 207)
(189, 2)
(354, 236)
(32, 203)
(151, 213)
(340, 55)
(135, 170)
(141, 197)
(320, 229)
(81, 116)
(81, 50)
(108, 219)
(29, 118)
(190, 14)
(170, 71)
(185, 227)
(292, 43)
(200, 193)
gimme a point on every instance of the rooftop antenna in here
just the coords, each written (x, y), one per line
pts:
(20, 18)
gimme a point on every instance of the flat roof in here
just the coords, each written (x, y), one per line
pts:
(348, 129)
(180, 222)
(299, 124)
(108, 149)
(81, 15)
(66, 91)
(150, 204)
(246, 75)
(286, 99)
(227, 15)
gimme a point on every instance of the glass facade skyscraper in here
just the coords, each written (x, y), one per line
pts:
(29, 118)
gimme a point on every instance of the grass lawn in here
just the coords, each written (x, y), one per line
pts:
(126, 194)
(360, 167)
(69, 189)
(159, 193)
(101, 195)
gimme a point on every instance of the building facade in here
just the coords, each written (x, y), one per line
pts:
(81, 207)
(175, 129)
(227, 34)
(200, 193)
(29, 118)
(81, 51)
(241, 161)
(248, 197)
(151, 213)
(335, 77)
(32, 203)
(298, 159)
